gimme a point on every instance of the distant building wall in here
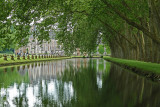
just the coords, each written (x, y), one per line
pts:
(34, 47)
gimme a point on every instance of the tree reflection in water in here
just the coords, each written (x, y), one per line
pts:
(75, 83)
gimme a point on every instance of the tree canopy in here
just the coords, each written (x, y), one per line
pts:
(83, 23)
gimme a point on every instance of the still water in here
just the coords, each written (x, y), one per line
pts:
(75, 83)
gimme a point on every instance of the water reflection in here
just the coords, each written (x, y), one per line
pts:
(75, 83)
(134, 90)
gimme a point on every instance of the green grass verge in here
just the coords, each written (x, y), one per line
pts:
(22, 61)
(85, 57)
(137, 65)
(77, 56)
(96, 56)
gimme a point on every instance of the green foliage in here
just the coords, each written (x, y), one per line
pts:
(77, 23)
(108, 50)
(101, 49)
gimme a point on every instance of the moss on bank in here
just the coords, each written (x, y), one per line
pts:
(136, 65)
(23, 61)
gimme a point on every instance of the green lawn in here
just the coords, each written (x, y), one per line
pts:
(77, 56)
(144, 66)
(85, 56)
(21, 61)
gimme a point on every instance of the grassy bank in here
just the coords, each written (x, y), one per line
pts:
(136, 65)
(85, 57)
(23, 61)
(77, 56)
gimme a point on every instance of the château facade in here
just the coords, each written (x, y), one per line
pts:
(33, 47)
(47, 47)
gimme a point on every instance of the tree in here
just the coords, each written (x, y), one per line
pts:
(130, 28)
(101, 49)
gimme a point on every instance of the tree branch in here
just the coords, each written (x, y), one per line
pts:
(156, 11)
(112, 29)
(130, 22)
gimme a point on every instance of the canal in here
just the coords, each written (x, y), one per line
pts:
(80, 82)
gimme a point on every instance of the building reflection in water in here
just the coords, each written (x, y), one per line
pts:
(42, 85)
(76, 82)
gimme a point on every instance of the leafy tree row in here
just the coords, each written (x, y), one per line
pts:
(130, 28)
